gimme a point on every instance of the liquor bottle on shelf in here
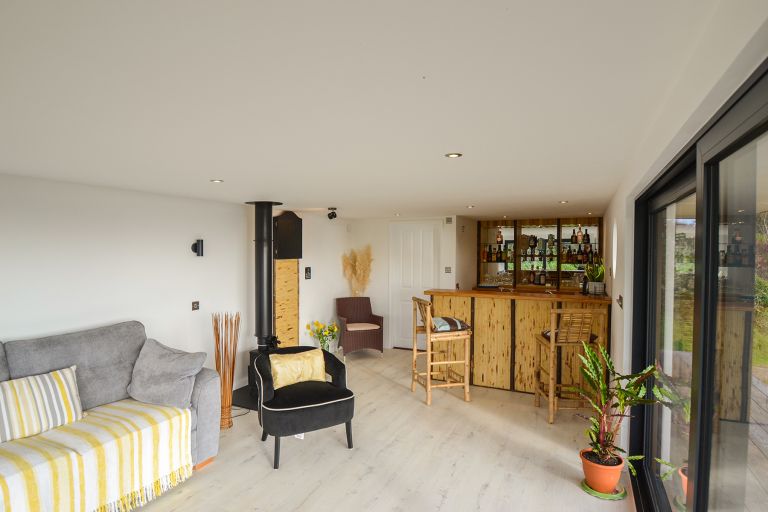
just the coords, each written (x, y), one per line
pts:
(499, 237)
(579, 235)
(532, 275)
(493, 254)
(573, 237)
(484, 255)
(502, 254)
(579, 256)
(737, 237)
(586, 235)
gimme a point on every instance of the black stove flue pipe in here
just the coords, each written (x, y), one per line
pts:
(264, 320)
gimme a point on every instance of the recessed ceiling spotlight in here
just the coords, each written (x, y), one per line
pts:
(563, 202)
(504, 216)
(217, 181)
(741, 211)
(589, 213)
(453, 155)
(470, 206)
(397, 215)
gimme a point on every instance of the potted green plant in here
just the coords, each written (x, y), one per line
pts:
(595, 273)
(610, 396)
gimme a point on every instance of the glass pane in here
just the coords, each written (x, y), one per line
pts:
(537, 249)
(739, 473)
(497, 253)
(674, 230)
(579, 246)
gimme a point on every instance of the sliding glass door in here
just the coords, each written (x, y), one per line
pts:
(673, 231)
(701, 316)
(739, 423)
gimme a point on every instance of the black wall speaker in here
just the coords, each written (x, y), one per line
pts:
(287, 236)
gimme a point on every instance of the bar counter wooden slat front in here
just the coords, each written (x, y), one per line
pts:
(504, 325)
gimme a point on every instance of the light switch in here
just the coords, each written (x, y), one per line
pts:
(307, 272)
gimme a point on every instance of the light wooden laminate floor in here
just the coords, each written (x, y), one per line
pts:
(495, 453)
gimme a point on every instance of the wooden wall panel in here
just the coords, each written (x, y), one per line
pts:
(457, 307)
(287, 302)
(492, 347)
(531, 317)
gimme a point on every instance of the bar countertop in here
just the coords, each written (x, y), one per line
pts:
(552, 295)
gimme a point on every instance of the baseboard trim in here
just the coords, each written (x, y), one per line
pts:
(201, 465)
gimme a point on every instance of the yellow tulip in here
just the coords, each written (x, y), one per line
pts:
(309, 328)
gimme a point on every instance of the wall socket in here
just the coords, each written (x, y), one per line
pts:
(196, 305)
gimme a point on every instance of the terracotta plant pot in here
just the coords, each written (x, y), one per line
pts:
(603, 479)
(683, 472)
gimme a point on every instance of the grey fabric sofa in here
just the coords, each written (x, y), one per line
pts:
(105, 357)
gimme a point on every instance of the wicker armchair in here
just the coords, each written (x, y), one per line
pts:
(359, 327)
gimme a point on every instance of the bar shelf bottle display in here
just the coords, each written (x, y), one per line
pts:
(496, 253)
(579, 246)
(537, 255)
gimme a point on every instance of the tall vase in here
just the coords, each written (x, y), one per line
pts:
(226, 331)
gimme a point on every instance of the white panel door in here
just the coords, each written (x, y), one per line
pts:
(414, 255)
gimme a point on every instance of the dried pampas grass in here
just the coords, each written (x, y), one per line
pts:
(357, 269)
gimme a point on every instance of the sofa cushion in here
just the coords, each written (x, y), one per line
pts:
(104, 358)
(307, 394)
(165, 376)
(307, 406)
(4, 373)
(447, 324)
(304, 366)
(362, 326)
(38, 403)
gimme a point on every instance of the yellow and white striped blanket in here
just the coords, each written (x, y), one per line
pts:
(117, 458)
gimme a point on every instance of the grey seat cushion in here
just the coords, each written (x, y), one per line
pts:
(5, 374)
(165, 376)
(104, 358)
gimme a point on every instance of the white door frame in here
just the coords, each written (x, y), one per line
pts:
(395, 266)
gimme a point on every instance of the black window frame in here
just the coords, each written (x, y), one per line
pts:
(694, 169)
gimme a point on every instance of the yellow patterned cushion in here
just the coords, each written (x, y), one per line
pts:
(35, 404)
(289, 369)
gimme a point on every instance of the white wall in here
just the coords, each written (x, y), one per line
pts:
(376, 233)
(324, 242)
(75, 256)
(733, 46)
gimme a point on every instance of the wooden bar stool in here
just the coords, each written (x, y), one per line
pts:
(575, 327)
(443, 339)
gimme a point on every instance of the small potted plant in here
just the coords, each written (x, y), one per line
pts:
(595, 273)
(325, 334)
(611, 396)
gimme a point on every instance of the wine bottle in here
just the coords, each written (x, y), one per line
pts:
(573, 237)
(502, 254)
(579, 235)
(579, 256)
(586, 236)
(499, 237)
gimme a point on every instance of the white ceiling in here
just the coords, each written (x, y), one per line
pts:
(349, 104)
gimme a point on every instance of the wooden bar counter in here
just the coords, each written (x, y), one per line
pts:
(504, 324)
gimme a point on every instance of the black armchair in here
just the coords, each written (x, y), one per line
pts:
(304, 406)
